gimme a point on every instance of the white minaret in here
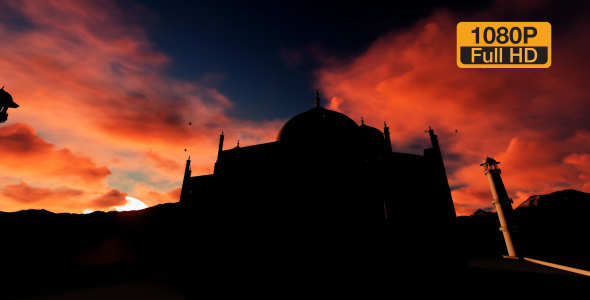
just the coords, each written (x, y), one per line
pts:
(503, 204)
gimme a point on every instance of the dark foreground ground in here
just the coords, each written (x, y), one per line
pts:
(162, 253)
(127, 268)
(480, 280)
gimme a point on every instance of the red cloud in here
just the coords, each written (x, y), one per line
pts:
(110, 199)
(578, 159)
(157, 198)
(104, 71)
(26, 154)
(86, 75)
(335, 103)
(23, 193)
(529, 119)
(165, 164)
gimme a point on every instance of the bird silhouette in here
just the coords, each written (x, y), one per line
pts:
(184, 150)
(189, 123)
(455, 130)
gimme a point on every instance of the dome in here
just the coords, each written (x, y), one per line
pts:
(371, 132)
(372, 141)
(318, 124)
(489, 161)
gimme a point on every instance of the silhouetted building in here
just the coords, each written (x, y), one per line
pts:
(327, 196)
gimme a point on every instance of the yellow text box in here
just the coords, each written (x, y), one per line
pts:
(504, 44)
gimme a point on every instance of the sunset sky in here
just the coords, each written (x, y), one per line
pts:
(107, 88)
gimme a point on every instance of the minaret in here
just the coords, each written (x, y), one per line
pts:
(219, 152)
(317, 98)
(503, 204)
(387, 139)
(185, 192)
(220, 145)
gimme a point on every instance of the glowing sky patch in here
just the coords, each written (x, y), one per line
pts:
(132, 204)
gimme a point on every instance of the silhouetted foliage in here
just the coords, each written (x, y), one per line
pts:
(5, 103)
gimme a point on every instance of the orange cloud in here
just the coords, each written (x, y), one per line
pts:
(97, 93)
(26, 154)
(165, 164)
(23, 193)
(169, 196)
(578, 159)
(532, 120)
(335, 103)
(110, 199)
(92, 85)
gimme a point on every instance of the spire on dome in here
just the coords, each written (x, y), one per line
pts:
(317, 98)
(362, 121)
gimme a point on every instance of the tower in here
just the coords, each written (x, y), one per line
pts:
(219, 150)
(187, 175)
(503, 204)
(317, 98)
(220, 145)
(387, 139)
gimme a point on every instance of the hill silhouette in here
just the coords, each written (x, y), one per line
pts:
(552, 227)
(31, 238)
(169, 236)
(558, 218)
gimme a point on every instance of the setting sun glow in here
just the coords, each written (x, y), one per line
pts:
(132, 204)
